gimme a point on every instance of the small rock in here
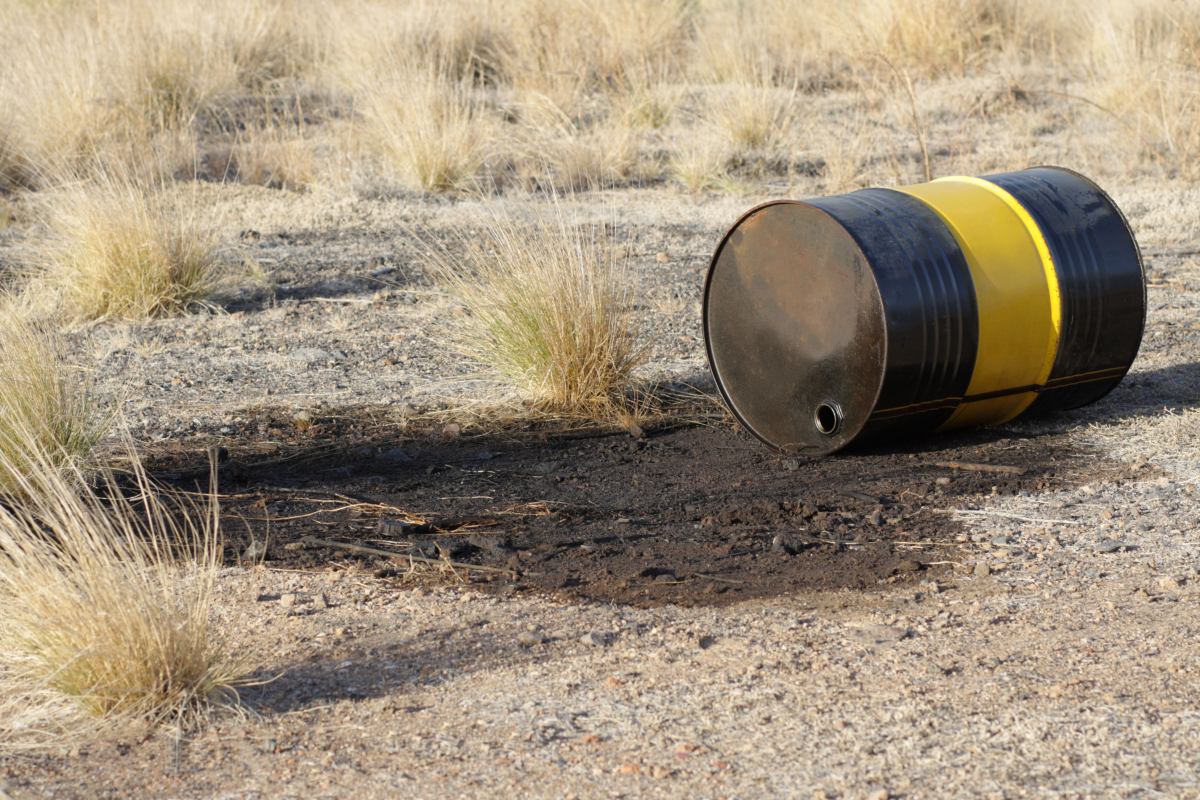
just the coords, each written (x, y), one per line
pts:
(314, 355)
(382, 271)
(879, 794)
(395, 454)
(493, 545)
(789, 545)
(287, 600)
(666, 577)
(320, 601)
(596, 639)
(1167, 582)
(791, 465)
(943, 481)
(982, 570)
(908, 565)
(257, 551)
(636, 431)
(878, 634)
(663, 258)
(530, 638)
(1111, 546)
(452, 431)
(1000, 541)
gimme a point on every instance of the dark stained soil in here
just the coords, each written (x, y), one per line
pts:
(697, 514)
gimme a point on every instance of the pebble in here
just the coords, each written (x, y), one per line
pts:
(1167, 582)
(1111, 546)
(908, 565)
(942, 481)
(452, 431)
(596, 639)
(1000, 541)
(287, 600)
(982, 570)
(663, 258)
(879, 794)
(320, 602)
(530, 638)
(666, 577)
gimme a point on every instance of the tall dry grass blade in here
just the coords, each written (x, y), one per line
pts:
(548, 305)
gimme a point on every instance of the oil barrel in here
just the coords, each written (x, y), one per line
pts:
(899, 312)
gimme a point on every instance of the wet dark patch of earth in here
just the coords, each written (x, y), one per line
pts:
(691, 515)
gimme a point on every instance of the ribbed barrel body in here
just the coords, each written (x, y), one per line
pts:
(965, 301)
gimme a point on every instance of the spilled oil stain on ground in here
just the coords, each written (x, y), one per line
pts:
(693, 515)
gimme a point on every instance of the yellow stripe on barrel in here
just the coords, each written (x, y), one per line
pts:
(1016, 290)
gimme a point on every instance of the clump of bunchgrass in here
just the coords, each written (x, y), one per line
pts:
(426, 126)
(50, 412)
(106, 603)
(752, 114)
(699, 163)
(548, 306)
(120, 249)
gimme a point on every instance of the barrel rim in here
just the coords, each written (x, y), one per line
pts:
(712, 368)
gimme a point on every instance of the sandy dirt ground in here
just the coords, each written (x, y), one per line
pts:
(1041, 643)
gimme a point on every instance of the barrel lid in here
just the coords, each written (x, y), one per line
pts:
(794, 328)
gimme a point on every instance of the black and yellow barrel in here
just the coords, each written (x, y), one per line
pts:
(964, 301)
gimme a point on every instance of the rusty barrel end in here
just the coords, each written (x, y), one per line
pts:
(794, 328)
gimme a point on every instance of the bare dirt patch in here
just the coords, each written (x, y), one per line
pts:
(697, 515)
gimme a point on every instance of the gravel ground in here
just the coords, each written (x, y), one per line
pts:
(1057, 659)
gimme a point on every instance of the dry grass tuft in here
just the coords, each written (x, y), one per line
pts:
(49, 411)
(752, 114)
(122, 250)
(427, 126)
(699, 163)
(106, 604)
(548, 306)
